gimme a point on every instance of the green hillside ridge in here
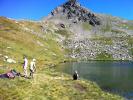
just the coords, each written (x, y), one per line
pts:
(19, 38)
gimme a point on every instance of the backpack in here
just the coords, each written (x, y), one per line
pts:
(10, 74)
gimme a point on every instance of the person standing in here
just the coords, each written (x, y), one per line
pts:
(32, 67)
(25, 66)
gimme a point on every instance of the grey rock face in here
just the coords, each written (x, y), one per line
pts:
(89, 49)
(72, 10)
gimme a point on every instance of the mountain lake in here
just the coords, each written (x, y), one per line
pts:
(112, 76)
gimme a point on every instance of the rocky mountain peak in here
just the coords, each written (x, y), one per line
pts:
(72, 10)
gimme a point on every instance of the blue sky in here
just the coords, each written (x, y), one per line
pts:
(37, 9)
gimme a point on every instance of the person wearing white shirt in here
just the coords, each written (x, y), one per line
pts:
(32, 67)
(25, 66)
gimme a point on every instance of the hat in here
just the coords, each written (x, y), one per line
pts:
(34, 60)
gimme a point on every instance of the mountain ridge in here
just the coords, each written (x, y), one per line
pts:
(92, 41)
(93, 37)
(73, 11)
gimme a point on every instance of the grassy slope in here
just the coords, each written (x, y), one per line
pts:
(47, 84)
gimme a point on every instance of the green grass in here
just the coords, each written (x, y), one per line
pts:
(48, 84)
(63, 32)
(7, 25)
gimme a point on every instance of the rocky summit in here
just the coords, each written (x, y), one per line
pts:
(72, 10)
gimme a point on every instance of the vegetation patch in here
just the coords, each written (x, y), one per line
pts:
(104, 56)
(107, 27)
(131, 51)
(126, 25)
(86, 26)
(63, 32)
(78, 50)
(130, 41)
(118, 31)
(103, 40)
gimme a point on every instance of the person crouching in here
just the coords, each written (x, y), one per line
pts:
(32, 67)
(75, 75)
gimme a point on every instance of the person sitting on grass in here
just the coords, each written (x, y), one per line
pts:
(10, 74)
(75, 75)
(32, 67)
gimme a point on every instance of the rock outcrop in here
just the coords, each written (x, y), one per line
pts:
(72, 10)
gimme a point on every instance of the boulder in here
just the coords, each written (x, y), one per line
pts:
(9, 60)
(62, 25)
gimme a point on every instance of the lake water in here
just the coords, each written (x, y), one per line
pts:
(115, 77)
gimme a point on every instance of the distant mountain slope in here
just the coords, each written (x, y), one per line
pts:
(95, 36)
(19, 38)
(72, 29)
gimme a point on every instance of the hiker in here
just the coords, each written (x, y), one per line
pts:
(32, 67)
(25, 66)
(75, 75)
